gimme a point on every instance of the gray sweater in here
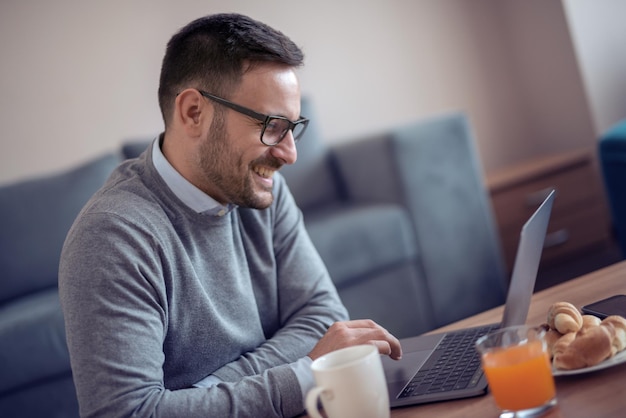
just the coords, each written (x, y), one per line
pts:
(157, 297)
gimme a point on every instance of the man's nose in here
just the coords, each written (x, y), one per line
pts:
(286, 150)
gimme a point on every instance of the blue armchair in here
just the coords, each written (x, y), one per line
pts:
(612, 155)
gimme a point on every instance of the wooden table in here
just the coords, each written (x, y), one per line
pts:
(598, 394)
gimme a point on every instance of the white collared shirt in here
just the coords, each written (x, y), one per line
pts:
(189, 194)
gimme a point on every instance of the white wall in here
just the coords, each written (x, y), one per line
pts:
(599, 36)
(79, 77)
(554, 106)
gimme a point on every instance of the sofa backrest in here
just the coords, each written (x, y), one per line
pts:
(35, 216)
(455, 226)
(432, 168)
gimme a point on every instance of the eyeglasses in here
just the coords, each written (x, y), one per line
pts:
(274, 127)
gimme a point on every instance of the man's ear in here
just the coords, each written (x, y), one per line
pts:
(192, 112)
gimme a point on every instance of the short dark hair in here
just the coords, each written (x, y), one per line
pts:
(213, 52)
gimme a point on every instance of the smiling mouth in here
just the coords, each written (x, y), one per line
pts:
(264, 172)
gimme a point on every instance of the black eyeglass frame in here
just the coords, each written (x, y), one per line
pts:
(265, 119)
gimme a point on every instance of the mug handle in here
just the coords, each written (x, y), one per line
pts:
(311, 401)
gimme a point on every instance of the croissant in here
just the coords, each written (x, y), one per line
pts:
(590, 321)
(564, 317)
(589, 347)
(618, 324)
(561, 344)
(551, 336)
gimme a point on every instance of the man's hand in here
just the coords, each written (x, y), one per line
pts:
(361, 331)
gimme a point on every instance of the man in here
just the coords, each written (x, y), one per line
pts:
(188, 282)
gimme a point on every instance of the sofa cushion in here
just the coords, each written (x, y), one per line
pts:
(50, 399)
(357, 239)
(35, 216)
(395, 297)
(32, 341)
(371, 255)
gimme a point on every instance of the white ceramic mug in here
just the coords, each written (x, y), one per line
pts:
(350, 383)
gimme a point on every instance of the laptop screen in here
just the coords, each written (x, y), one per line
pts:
(527, 264)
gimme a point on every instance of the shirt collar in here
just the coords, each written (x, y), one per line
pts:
(189, 194)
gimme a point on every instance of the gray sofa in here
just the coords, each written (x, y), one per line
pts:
(402, 220)
(35, 215)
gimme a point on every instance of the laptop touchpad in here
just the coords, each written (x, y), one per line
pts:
(404, 369)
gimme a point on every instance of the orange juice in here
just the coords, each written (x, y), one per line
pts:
(520, 377)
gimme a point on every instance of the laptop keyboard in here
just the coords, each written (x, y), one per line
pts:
(453, 365)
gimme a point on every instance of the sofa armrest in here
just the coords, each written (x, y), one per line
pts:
(431, 167)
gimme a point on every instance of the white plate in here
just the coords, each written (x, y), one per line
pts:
(619, 358)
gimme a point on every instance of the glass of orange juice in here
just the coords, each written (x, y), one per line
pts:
(517, 365)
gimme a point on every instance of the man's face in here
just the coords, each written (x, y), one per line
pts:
(234, 164)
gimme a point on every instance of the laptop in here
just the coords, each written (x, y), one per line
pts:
(446, 366)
